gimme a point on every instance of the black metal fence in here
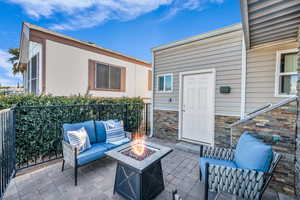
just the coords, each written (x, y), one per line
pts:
(7, 149)
(39, 129)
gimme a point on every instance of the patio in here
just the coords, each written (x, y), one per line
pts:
(96, 180)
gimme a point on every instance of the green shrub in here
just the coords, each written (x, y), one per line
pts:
(39, 120)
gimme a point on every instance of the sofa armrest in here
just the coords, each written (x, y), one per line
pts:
(128, 135)
(216, 152)
(69, 153)
(247, 184)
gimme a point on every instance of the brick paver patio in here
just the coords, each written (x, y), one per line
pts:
(96, 180)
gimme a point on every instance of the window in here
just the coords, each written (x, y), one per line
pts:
(165, 83)
(286, 73)
(108, 77)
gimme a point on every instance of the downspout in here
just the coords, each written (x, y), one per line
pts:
(243, 78)
(152, 100)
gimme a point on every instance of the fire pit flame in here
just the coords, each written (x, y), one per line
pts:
(138, 147)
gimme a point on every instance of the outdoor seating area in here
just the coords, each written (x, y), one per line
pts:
(180, 171)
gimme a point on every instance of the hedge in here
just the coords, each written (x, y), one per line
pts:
(39, 120)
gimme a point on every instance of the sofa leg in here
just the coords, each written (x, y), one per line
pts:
(63, 166)
(75, 171)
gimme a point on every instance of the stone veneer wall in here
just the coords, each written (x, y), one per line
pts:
(166, 127)
(166, 124)
(222, 130)
(278, 121)
(297, 165)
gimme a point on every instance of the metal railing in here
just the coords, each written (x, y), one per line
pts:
(7, 149)
(39, 129)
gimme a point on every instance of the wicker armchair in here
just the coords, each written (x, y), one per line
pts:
(247, 184)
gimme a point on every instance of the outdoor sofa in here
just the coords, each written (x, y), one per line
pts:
(244, 172)
(97, 135)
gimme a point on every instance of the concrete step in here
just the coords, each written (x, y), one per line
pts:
(188, 147)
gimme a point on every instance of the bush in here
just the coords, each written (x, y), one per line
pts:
(39, 120)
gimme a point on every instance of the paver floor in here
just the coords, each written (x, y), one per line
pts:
(96, 180)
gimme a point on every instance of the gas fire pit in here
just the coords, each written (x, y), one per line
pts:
(139, 173)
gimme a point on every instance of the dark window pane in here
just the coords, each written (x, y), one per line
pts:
(160, 83)
(288, 63)
(33, 86)
(102, 76)
(115, 78)
(288, 84)
(34, 66)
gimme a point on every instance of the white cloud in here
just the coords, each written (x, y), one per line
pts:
(80, 14)
(4, 56)
(6, 76)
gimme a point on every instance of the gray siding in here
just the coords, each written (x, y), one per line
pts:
(261, 67)
(221, 52)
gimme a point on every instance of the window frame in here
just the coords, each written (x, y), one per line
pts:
(164, 90)
(108, 89)
(29, 75)
(278, 74)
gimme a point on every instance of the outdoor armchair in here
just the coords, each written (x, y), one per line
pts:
(220, 173)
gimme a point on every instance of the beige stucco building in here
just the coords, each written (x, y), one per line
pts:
(64, 66)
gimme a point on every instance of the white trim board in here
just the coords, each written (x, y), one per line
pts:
(180, 100)
(243, 78)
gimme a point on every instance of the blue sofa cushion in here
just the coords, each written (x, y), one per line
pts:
(253, 154)
(203, 161)
(88, 125)
(93, 153)
(100, 131)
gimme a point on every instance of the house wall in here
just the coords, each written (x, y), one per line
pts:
(260, 82)
(279, 121)
(67, 72)
(221, 52)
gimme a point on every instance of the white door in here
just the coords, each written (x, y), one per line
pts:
(198, 107)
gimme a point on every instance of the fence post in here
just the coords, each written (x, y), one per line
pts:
(14, 139)
(146, 118)
(126, 106)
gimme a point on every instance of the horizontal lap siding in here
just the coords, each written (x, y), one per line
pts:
(220, 52)
(261, 67)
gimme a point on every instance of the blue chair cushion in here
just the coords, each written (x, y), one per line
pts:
(203, 161)
(94, 153)
(88, 125)
(252, 154)
(100, 131)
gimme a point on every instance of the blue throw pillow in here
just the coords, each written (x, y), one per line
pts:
(253, 154)
(114, 131)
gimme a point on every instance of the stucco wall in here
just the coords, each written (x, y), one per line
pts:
(67, 72)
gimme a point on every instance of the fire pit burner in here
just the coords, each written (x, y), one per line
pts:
(146, 152)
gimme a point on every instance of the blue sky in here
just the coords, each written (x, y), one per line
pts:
(131, 27)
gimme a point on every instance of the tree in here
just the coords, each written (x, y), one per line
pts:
(17, 67)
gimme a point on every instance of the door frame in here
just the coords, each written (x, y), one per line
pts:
(181, 76)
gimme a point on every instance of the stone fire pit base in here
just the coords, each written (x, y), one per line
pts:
(133, 184)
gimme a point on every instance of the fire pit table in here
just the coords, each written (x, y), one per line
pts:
(139, 173)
